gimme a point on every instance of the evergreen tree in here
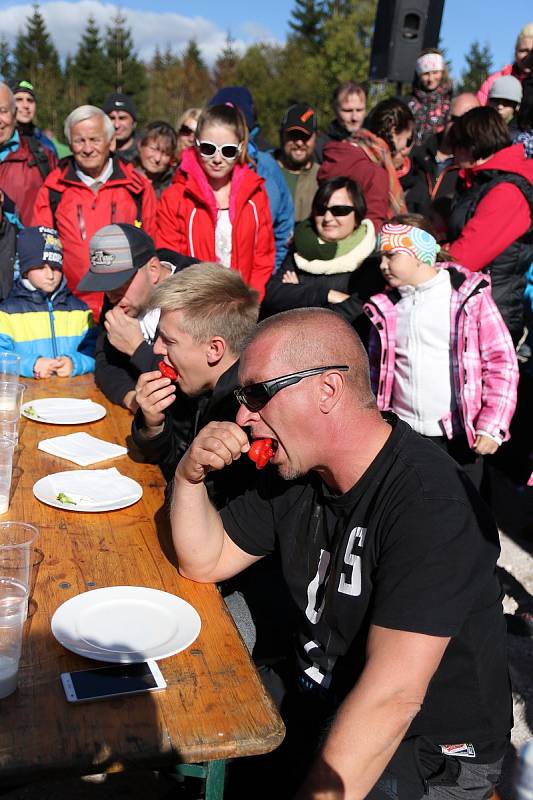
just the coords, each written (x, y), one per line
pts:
(260, 70)
(478, 66)
(307, 19)
(6, 64)
(123, 70)
(164, 99)
(225, 68)
(34, 49)
(37, 60)
(196, 87)
(88, 67)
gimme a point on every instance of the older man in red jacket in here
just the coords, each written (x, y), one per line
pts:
(93, 189)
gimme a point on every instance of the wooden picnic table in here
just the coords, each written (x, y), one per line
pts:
(215, 706)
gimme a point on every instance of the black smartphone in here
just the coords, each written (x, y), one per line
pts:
(112, 681)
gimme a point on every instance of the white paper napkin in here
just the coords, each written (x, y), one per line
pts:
(94, 488)
(81, 448)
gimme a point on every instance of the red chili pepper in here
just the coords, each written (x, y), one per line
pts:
(261, 452)
(167, 371)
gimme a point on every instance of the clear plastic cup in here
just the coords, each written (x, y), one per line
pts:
(10, 400)
(16, 551)
(9, 366)
(13, 604)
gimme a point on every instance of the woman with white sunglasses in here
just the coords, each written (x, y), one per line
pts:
(217, 208)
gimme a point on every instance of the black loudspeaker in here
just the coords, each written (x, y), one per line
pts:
(402, 29)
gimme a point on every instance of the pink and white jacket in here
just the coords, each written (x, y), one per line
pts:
(485, 369)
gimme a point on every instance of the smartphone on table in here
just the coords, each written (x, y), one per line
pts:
(115, 680)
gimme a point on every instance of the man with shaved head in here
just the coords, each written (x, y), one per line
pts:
(397, 687)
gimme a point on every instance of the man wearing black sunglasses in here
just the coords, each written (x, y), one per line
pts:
(389, 556)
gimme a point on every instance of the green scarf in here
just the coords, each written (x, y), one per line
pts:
(308, 244)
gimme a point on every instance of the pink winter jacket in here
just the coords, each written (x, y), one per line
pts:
(485, 369)
(483, 91)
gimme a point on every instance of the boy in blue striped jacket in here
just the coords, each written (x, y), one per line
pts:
(41, 320)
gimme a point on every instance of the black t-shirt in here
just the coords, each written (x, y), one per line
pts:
(410, 547)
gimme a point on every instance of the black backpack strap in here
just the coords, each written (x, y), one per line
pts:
(40, 159)
(54, 198)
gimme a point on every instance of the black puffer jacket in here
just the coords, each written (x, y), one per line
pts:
(508, 269)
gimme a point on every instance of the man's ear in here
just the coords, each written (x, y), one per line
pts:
(216, 347)
(331, 390)
(154, 270)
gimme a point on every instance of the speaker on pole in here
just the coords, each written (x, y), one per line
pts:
(402, 29)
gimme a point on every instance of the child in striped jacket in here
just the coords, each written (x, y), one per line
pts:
(41, 320)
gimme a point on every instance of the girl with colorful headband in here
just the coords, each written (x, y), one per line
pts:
(441, 356)
(432, 94)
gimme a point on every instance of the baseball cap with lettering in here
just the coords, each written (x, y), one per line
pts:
(116, 253)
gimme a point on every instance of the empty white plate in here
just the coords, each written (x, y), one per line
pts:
(63, 410)
(126, 624)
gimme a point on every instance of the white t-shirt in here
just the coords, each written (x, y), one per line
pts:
(223, 232)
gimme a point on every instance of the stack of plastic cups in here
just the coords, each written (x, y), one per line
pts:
(11, 395)
(9, 374)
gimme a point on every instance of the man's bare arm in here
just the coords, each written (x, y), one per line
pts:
(375, 716)
(205, 552)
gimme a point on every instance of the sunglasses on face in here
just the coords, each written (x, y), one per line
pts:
(337, 211)
(227, 151)
(256, 395)
(185, 131)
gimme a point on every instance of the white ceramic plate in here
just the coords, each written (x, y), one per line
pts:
(46, 493)
(126, 624)
(63, 410)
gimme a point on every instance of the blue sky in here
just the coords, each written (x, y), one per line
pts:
(162, 22)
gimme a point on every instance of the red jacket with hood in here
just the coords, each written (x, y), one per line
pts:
(79, 213)
(187, 215)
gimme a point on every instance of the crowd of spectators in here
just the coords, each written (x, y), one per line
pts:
(410, 223)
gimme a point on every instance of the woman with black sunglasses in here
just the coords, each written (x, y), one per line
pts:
(329, 265)
(186, 130)
(217, 208)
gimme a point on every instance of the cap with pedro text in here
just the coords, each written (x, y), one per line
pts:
(120, 102)
(300, 117)
(116, 253)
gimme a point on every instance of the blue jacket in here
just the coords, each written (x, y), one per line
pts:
(281, 205)
(36, 325)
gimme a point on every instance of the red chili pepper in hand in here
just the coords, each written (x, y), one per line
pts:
(261, 452)
(167, 371)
